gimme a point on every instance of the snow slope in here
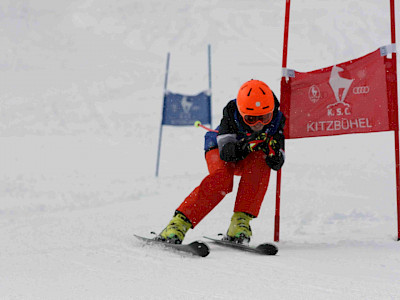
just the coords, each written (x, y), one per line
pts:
(80, 105)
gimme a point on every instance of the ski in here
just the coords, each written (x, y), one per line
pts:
(196, 248)
(264, 249)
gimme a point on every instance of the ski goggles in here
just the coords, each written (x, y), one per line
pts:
(253, 120)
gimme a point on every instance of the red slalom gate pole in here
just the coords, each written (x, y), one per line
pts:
(396, 131)
(279, 173)
(286, 34)
(396, 145)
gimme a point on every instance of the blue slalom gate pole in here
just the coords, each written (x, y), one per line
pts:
(162, 117)
(209, 80)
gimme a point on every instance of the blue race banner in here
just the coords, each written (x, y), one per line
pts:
(183, 110)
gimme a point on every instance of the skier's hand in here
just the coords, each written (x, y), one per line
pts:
(256, 136)
(251, 143)
(256, 141)
(275, 154)
(276, 161)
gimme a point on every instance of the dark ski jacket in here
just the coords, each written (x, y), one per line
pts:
(233, 129)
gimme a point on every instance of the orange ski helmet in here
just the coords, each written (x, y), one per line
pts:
(255, 102)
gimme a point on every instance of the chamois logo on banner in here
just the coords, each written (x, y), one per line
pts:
(186, 104)
(340, 86)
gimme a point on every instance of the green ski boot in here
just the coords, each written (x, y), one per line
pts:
(240, 231)
(176, 229)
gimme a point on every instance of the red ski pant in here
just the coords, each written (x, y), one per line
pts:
(253, 185)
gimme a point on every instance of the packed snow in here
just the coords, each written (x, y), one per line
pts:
(80, 110)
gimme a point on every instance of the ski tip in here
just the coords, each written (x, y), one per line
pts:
(268, 249)
(196, 248)
(201, 248)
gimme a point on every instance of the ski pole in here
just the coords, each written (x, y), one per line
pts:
(198, 124)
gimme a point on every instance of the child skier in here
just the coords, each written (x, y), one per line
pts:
(249, 143)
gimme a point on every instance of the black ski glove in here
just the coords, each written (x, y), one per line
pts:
(275, 155)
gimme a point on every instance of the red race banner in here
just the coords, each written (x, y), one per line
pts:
(351, 97)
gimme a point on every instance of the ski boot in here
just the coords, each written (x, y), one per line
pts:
(239, 231)
(176, 229)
